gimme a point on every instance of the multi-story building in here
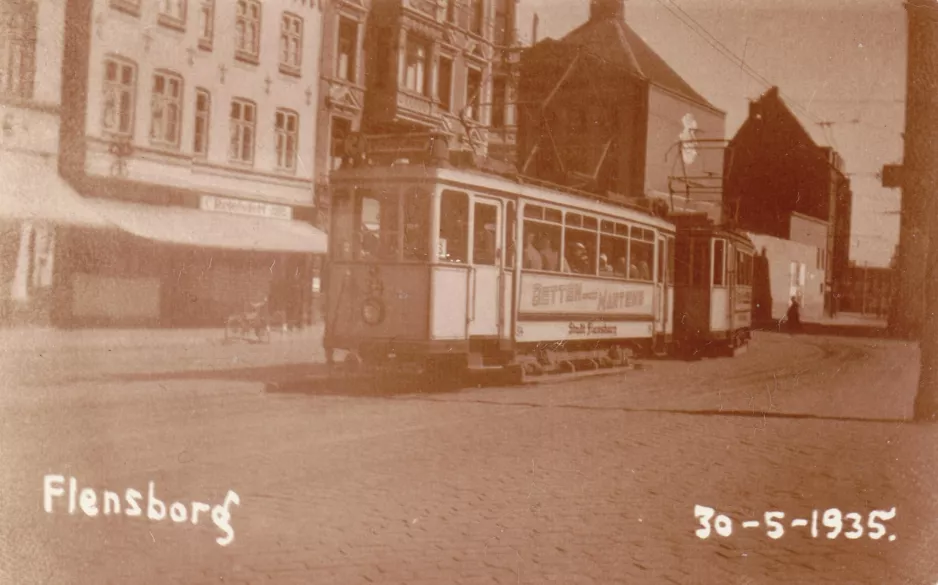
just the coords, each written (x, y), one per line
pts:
(400, 66)
(35, 203)
(190, 128)
(777, 170)
(601, 111)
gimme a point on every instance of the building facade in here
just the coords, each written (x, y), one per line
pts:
(777, 170)
(35, 204)
(601, 111)
(784, 270)
(401, 66)
(190, 128)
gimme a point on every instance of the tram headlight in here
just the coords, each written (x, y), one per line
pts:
(372, 311)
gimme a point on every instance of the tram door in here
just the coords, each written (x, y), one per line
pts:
(485, 274)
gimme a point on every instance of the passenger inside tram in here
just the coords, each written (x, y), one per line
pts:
(578, 259)
(549, 256)
(605, 268)
(532, 258)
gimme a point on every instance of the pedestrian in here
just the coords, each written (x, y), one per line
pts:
(794, 316)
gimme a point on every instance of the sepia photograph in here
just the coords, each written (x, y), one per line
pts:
(432, 292)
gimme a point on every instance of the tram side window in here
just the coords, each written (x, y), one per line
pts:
(700, 263)
(671, 254)
(454, 227)
(379, 226)
(744, 269)
(613, 255)
(580, 256)
(641, 254)
(416, 226)
(719, 262)
(541, 244)
(510, 236)
(483, 241)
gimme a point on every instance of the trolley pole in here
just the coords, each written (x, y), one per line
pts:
(918, 249)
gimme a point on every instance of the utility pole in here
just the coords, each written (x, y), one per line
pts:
(918, 252)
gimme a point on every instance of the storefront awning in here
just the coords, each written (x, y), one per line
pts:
(32, 190)
(193, 227)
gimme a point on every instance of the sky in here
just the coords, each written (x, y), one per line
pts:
(840, 62)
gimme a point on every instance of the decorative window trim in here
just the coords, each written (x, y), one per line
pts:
(286, 35)
(285, 134)
(239, 125)
(18, 29)
(161, 141)
(206, 117)
(171, 21)
(206, 42)
(251, 56)
(131, 88)
(131, 7)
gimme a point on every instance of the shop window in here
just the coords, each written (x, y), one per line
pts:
(719, 262)
(203, 103)
(415, 66)
(444, 80)
(484, 234)
(248, 30)
(17, 48)
(291, 43)
(286, 132)
(165, 109)
(347, 54)
(120, 83)
(206, 24)
(243, 124)
(454, 227)
(641, 254)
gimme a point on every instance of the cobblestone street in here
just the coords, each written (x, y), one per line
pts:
(593, 481)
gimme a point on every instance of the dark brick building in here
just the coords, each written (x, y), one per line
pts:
(600, 110)
(777, 170)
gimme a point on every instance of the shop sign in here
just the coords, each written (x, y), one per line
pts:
(242, 207)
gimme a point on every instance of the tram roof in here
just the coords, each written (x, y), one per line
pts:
(472, 179)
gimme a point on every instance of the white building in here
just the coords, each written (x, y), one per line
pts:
(189, 128)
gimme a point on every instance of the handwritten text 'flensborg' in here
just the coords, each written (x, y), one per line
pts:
(558, 294)
(87, 500)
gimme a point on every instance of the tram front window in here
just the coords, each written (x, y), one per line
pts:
(370, 226)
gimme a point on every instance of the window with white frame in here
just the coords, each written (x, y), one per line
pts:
(243, 127)
(347, 53)
(172, 12)
(17, 48)
(203, 112)
(206, 23)
(474, 97)
(165, 108)
(291, 42)
(120, 84)
(415, 67)
(444, 81)
(248, 29)
(286, 130)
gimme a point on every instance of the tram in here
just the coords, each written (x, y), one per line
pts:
(437, 266)
(713, 287)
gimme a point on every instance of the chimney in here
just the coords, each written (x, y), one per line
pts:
(604, 9)
(534, 22)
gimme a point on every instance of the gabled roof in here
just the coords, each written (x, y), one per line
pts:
(611, 40)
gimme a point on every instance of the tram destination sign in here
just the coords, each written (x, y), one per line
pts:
(547, 294)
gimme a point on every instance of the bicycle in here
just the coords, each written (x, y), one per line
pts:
(254, 320)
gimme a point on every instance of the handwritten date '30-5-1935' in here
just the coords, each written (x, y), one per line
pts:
(830, 523)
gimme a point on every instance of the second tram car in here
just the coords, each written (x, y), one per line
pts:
(432, 265)
(713, 287)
